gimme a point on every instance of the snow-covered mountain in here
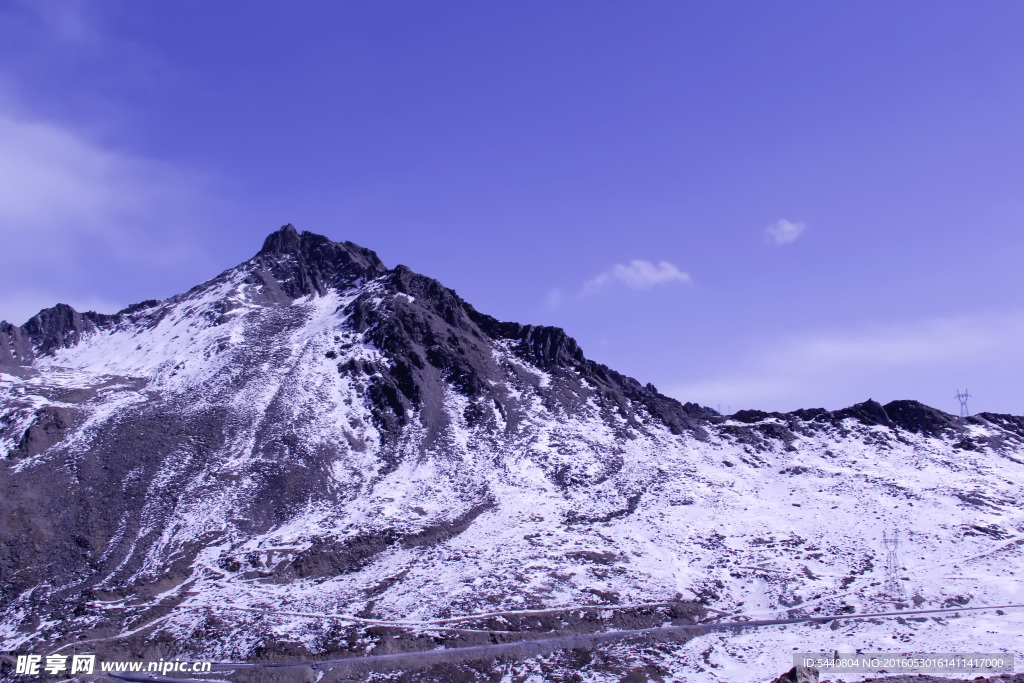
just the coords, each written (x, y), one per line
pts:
(314, 456)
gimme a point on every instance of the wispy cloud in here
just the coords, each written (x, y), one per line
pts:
(637, 275)
(82, 218)
(905, 358)
(74, 210)
(783, 232)
(57, 187)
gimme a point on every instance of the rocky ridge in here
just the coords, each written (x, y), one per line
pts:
(313, 430)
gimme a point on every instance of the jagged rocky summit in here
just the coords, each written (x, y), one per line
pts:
(312, 433)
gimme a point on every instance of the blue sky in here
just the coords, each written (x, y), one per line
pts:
(750, 204)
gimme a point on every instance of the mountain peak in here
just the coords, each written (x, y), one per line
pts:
(284, 241)
(304, 263)
(313, 430)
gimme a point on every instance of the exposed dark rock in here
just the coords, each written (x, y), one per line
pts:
(439, 533)
(910, 416)
(592, 557)
(298, 265)
(799, 674)
(1011, 423)
(752, 416)
(81, 523)
(631, 505)
(869, 413)
(15, 346)
(62, 327)
(919, 418)
(335, 558)
(49, 427)
(812, 414)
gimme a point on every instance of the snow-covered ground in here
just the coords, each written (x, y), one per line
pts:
(549, 508)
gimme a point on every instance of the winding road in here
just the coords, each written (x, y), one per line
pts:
(544, 645)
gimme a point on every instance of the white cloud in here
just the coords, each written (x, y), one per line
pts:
(783, 232)
(57, 187)
(923, 359)
(77, 215)
(80, 216)
(636, 275)
(923, 342)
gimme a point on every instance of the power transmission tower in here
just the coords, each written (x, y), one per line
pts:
(893, 586)
(962, 397)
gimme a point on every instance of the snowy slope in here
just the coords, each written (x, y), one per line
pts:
(288, 440)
